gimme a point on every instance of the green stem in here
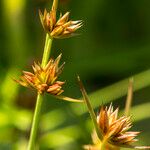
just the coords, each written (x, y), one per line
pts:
(47, 50)
(35, 122)
(36, 117)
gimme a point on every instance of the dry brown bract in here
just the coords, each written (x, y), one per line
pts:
(63, 28)
(44, 78)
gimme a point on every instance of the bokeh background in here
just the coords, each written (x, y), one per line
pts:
(113, 45)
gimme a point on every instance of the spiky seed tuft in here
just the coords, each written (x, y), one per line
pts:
(44, 78)
(63, 28)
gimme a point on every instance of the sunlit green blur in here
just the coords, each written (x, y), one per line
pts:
(113, 44)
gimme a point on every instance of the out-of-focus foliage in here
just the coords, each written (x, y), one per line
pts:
(113, 45)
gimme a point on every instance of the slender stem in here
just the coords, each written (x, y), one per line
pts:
(129, 97)
(36, 117)
(35, 122)
(47, 50)
(90, 109)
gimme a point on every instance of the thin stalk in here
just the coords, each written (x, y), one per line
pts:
(35, 122)
(36, 117)
(129, 97)
(90, 109)
(47, 50)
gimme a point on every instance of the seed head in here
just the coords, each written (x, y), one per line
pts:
(115, 129)
(63, 28)
(44, 78)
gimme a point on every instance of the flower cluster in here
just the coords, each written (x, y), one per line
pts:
(114, 130)
(63, 28)
(44, 78)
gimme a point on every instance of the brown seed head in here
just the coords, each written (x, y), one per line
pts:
(63, 28)
(115, 129)
(44, 78)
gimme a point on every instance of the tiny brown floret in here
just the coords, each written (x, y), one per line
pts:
(44, 78)
(63, 28)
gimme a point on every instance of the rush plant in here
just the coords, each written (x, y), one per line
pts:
(110, 131)
(45, 74)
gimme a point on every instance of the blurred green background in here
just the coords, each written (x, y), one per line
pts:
(113, 45)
